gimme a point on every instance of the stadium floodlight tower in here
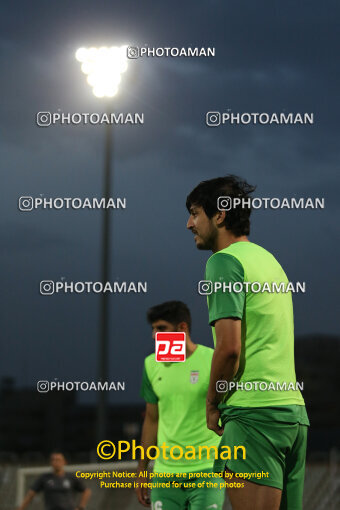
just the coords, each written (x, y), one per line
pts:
(103, 67)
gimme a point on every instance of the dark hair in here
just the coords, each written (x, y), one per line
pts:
(170, 311)
(57, 452)
(207, 193)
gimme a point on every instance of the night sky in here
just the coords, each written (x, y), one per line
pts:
(270, 57)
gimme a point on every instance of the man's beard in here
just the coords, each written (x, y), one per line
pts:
(208, 243)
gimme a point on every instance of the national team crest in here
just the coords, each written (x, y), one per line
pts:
(194, 376)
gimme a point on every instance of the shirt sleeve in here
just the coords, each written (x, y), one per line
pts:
(146, 390)
(225, 301)
(78, 485)
(38, 484)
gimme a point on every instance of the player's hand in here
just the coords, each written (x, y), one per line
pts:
(213, 417)
(142, 492)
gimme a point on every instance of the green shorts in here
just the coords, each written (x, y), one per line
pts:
(189, 494)
(275, 440)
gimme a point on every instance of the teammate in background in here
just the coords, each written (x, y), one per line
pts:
(175, 415)
(58, 488)
(254, 341)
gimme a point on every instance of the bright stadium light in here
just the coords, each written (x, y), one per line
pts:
(103, 67)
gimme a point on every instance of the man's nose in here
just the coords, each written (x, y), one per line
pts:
(190, 223)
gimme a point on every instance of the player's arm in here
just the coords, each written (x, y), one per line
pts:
(149, 432)
(27, 499)
(37, 486)
(226, 309)
(79, 486)
(85, 496)
(149, 438)
(224, 366)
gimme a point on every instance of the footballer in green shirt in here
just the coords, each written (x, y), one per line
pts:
(175, 394)
(252, 386)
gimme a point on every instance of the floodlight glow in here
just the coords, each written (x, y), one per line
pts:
(81, 54)
(103, 67)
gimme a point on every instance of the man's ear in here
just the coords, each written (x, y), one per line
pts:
(220, 217)
(183, 326)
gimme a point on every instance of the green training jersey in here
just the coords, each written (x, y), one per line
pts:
(267, 350)
(180, 390)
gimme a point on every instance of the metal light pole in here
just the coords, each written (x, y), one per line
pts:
(103, 68)
(103, 354)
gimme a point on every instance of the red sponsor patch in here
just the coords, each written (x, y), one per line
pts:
(170, 346)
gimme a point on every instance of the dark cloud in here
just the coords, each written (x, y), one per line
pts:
(269, 57)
